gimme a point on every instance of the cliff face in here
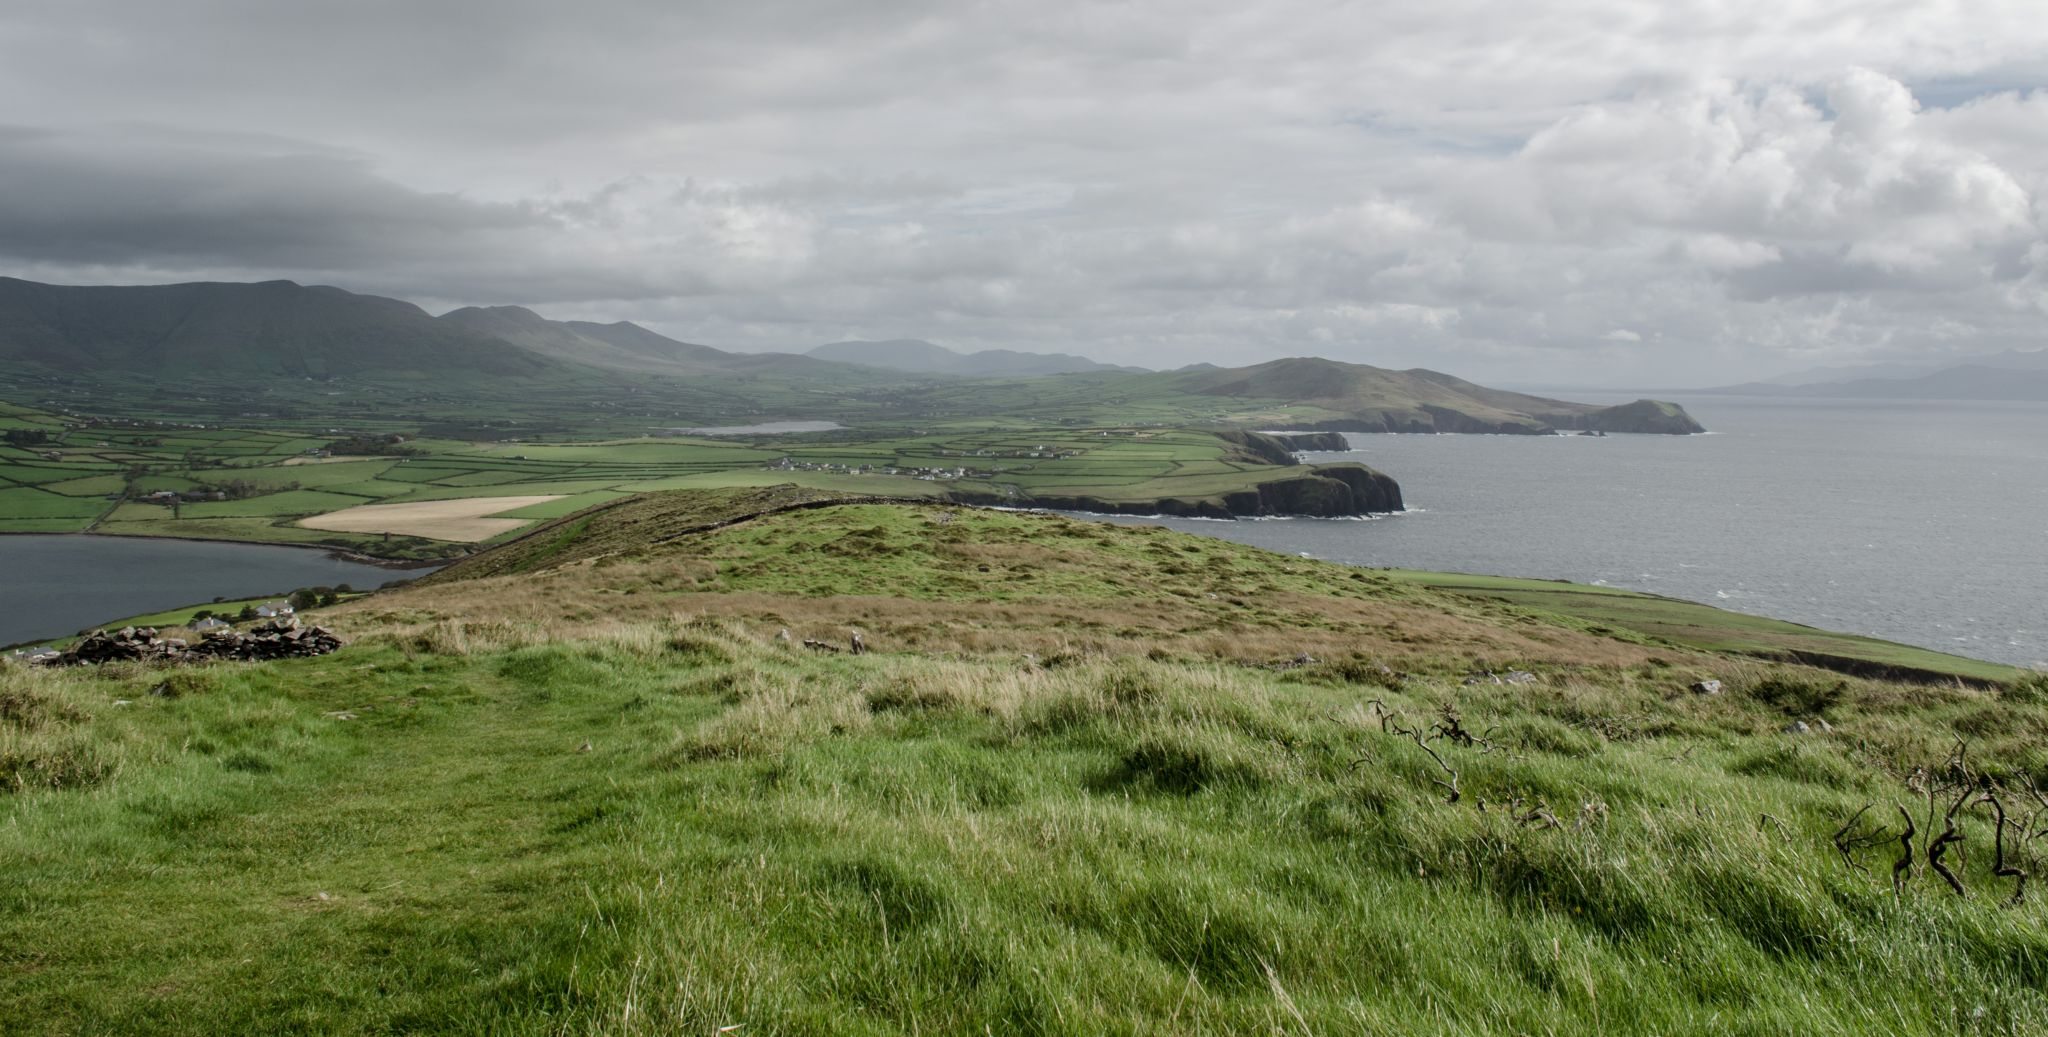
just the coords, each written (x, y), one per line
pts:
(1311, 491)
(1261, 446)
(1431, 420)
(1315, 441)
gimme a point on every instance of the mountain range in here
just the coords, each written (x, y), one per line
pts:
(2010, 375)
(260, 337)
(917, 356)
(280, 328)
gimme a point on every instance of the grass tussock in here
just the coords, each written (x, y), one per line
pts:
(42, 745)
(555, 807)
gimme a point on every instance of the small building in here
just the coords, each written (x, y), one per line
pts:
(211, 625)
(274, 610)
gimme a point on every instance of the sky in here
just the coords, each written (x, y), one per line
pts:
(1550, 192)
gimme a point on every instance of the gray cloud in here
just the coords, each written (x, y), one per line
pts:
(1596, 190)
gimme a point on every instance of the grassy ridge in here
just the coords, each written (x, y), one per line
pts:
(595, 793)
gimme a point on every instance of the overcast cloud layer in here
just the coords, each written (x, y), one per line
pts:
(1562, 191)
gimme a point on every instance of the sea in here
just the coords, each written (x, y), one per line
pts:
(1919, 522)
(56, 585)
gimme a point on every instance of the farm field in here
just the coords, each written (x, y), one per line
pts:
(279, 485)
(460, 519)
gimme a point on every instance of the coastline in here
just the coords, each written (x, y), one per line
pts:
(337, 553)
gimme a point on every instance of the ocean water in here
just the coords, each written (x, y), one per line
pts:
(1925, 523)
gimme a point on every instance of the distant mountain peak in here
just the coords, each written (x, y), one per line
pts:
(520, 313)
(918, 356)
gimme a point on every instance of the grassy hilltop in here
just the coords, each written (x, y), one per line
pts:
(1087, 780)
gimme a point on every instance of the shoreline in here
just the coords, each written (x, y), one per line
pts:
(337, 553)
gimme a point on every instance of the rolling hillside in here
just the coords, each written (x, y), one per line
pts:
(1361, 398)
(619, 347)
(916, 356)
(270, 346)
(247, 332)
(628, 776)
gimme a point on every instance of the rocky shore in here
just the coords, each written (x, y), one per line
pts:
(1343, 490)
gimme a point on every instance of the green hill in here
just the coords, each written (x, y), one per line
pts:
(917, 356)
(244, 333)
(1086, 779)
(614, 347)
(1361, 398)
(627, 347)
(243, 347)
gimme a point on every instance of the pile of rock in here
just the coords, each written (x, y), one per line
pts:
(276, 639)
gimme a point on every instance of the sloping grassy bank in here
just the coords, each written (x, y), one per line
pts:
(601, 795)
(1703, 626)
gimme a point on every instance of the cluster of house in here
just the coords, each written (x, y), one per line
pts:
(790, 464)
(174, 496)
(1039, 451)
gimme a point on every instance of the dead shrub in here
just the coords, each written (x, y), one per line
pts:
(65, 765)
(1798, 694)
(26, 707)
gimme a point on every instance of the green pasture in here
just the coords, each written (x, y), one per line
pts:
(661, 819)
(26, 503)
(1700, 626)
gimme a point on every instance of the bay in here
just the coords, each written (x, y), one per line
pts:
(55, 585)
(1919, 522)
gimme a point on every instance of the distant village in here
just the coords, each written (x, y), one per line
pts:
(790, 464)
(925, 472)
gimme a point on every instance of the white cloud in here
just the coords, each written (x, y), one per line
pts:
(1496, 191)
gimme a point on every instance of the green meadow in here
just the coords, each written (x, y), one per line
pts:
(1088, 780)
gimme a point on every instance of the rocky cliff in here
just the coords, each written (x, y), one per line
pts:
(1343, 490)
(1301, 441)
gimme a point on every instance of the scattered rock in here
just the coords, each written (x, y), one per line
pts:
(1510, 677)
(1796, 727)
(276, 639)
(584, 748)
(1708, 687)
